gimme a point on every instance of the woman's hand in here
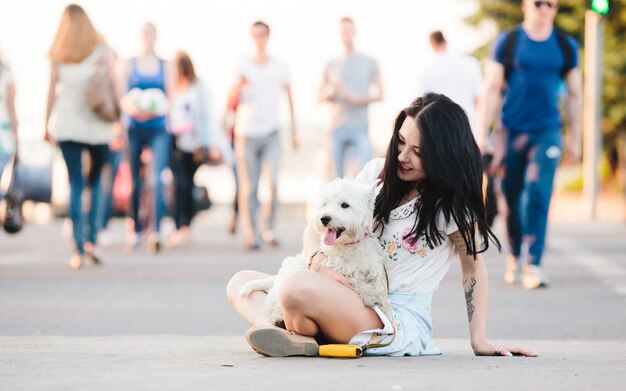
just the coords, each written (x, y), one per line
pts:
(47, 137)
(487, 349)
(327, 271)
(141, 115)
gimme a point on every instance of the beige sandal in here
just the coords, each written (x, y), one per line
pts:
(275, 342)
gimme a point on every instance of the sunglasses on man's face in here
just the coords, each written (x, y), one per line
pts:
(549, 4)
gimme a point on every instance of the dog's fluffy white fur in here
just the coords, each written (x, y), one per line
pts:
(344, 222)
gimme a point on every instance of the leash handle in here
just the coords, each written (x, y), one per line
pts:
(340, 350)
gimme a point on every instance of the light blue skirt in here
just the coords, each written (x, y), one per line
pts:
(412, 324)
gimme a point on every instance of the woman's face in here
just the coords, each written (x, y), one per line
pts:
(148, 36)
(409, 155)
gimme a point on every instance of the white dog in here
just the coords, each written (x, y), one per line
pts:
(344, 223)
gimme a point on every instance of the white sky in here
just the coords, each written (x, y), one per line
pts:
(216, 35)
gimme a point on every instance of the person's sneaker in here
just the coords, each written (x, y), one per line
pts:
(154, 244)
(512, 272)
(91, 253)
(251, 246)
(273, 341)
(179, 237)
(534, 277)
(269, 238)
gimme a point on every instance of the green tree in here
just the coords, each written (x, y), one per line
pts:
(507, 13)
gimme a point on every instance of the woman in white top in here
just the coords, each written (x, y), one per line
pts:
(429, 210)
(78, 51)
(190, 125)
(8, 119)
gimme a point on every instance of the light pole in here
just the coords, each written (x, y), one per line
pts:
(592, 110)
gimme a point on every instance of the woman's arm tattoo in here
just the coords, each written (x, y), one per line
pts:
(459, 243)
(469, 296)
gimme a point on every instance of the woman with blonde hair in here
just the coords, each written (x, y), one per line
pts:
(77, 52)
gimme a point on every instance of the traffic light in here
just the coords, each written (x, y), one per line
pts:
(600, 6)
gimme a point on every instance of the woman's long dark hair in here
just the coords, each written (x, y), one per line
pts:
(452, 165)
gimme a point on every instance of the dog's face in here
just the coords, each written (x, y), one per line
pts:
(346, 211)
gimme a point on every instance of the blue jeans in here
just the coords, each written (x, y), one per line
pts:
(114, 158)
(158, 141)
(72, 154)
(358, 139)
(529, 166)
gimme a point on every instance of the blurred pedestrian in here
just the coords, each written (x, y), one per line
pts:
(77, 53)
(228, 124)
(8, 119)
(115, 156)
(350, 83)
(190, 123)
(260, 81)
(145, 81)
(530, 64)
(459, 77)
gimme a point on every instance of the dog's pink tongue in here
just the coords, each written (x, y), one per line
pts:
(329, 237)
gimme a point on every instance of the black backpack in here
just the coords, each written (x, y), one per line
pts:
(509, 48)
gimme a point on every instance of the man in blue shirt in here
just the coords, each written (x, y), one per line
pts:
(528, 70)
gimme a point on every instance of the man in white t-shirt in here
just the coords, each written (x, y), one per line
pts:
(459, 77)
(261, 80)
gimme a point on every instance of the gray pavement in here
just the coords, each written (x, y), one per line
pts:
(162, 322)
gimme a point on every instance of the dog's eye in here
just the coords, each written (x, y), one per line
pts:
(344, 205)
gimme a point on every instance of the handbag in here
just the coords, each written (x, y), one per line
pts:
(100, 93)
(13, 217)
(35, 182)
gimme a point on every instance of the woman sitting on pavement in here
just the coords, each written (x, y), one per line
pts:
(429, 210)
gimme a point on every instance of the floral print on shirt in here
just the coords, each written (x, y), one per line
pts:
(397, 243)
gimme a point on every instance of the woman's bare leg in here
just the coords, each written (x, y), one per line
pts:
(264, 337)
(313, 302)
(250, 308)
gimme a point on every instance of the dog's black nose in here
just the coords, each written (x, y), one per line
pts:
(325, 220)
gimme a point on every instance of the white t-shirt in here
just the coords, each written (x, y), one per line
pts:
(459, 77)
(257, 113)
(412, 268)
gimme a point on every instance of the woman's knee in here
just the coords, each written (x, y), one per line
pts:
(296, 290)
(234, 285)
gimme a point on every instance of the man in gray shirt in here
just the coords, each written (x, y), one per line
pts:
(350, 83)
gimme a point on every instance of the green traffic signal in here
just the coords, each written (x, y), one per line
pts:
(600, 6)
